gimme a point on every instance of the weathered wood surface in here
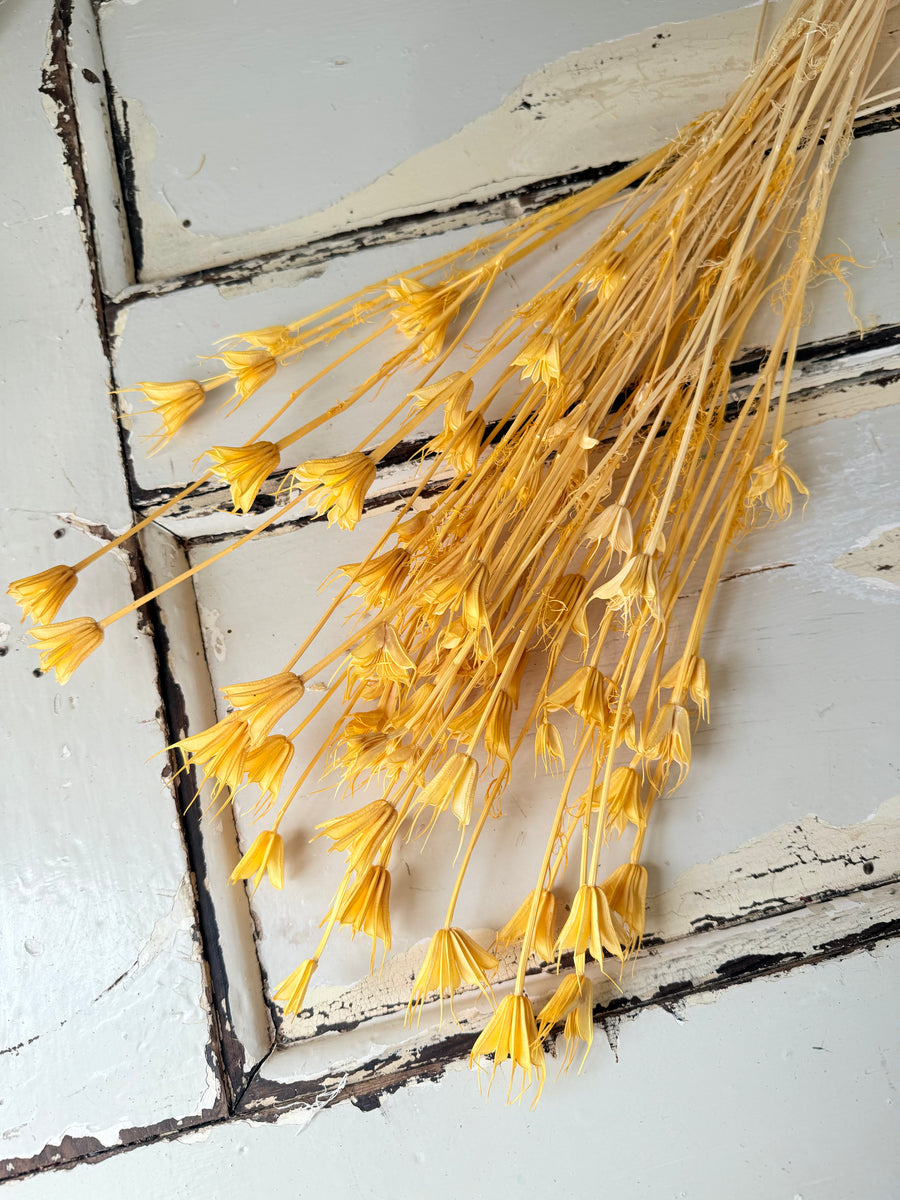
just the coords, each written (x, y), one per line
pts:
(784, 1087)
(105, 1014)
(406, 110)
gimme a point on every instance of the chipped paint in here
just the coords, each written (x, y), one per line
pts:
(876, 558)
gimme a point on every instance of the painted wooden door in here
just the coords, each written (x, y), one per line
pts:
(180, 172)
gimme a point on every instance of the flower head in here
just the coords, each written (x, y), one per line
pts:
(452, 958)
(695, 675)
(539, 359)
(423, 313)
(250, 368)
(340, 485)
(65, 645)
(563, 604)
(245, 469)
(453, 392)
(379, 580)
(265, 856)
(263, 702)
(573, 1001)
(511, 1033)
(361, 833)
(637, 581)
(366, 907)
(221, 750)
(585, 692)
(590, 926)
(770, 483)
(624, 802)
(267, 763)
(173, 402)
(291, 992)
(549, 747)
(612, 524)
(516, 927)
(381, 655)
(42, 595)
(626, 890)
(453, 787)
(669, 738)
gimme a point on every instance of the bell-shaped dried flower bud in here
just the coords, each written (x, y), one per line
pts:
(585, 693)
(340, 484)
(291, 992)
(563, 603)
(539, 359)
(361, 833)
(221, 750)
(263, 702)
(544, 941)
(669, 738)
(496, 731)
(511, 1033)
(501, 661)
(452, 392)
(41, 596)
(380, 654)
(460, 447)
(267, 763)
(380, 579)
(411, 527)
(65, 645)
(250, 369)
(173, 402)
(626, 890)
(245, 469)
(277, 339)
(548, 747)
(423, 313)
(265, 856)
(612, 524)
(770, 483)
(637, 581)
(452, 787)
(624, 802)
(452, 959)
(590, 926)
(366, 907)
(692, 675)
(573, 1002)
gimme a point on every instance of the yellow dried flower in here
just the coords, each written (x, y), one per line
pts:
(544, 943)
(41, 596)
(263, 702)
(267, 763)
(340, 484)
(636, 581)
(265, 856)
(245, 469)
(422, 314)
(612, 524)
(696, 680)
(361, 833)
(563, 600)
(453, 958)
(626, 891)
(221, 750)
(624, 802)
(381, 655)
(539, 359)
(496, 731)
(669, 738)
(512, 1034)
(453, 392)
(452, 787)
(366, 907)
(549, 747)
(585, 692)
(277, 339)
(291, 992)
(770, 483)
(460, 445)
(573, 1001)
(65, 645)
(174, 403)
(379, 580)
(250, 368)
(590, 926)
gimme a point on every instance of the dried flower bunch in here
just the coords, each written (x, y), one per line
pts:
(617, 469)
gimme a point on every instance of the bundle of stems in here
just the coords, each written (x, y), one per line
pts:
(617, 469)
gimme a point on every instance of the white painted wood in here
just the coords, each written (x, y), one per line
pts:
(786, 1087)
(796, 648)
(105, 1017)
(400, 109)
(162, 337)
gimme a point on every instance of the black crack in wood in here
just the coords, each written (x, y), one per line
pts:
(123, 154)
(56, 84)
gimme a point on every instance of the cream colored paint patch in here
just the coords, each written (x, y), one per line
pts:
(877, 559)
(608, 103)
